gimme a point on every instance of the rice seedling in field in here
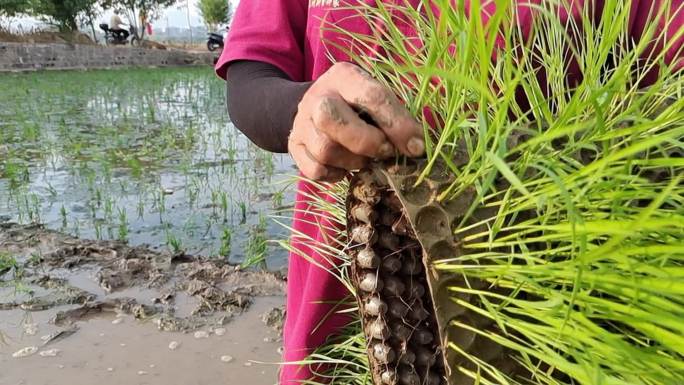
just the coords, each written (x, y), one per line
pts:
(257, 246)
(156, 142)
(7, 264)
(565, 262)
(123, 224)
(226, 241)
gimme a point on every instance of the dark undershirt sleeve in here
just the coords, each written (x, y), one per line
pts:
(262, 102)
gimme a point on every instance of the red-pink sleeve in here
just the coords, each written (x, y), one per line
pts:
(270, 31)
(668, 34)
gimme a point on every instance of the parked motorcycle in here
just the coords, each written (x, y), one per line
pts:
(113, 37)
(214, 41)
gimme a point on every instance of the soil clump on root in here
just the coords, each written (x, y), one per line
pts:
(397, 229)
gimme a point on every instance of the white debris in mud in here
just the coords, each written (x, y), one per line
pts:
(227, 358)
(50, 353)
(142, 372)
(152, 366)
(122, 345)
(30, 329)
(201, 334)
(117, 321)
(25, 352)
(220, 331)
(248, 364)
(173, 345)
(110, 369)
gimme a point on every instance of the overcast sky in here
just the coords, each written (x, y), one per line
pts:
(177, 15)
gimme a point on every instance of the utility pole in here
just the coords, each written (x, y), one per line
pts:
(187, 3)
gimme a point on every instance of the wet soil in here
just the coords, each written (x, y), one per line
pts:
(79, 312)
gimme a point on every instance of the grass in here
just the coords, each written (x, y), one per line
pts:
(589, 221)
(134, 155)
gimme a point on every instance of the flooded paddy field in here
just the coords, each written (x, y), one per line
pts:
(128, 202)
(148, 156)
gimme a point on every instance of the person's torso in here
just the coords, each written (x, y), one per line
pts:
(115, 22)
(325, 44)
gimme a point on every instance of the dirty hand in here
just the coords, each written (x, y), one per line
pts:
(329, 138)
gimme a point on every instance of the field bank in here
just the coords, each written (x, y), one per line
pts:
(30, 57)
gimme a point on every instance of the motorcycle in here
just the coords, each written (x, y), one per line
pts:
(214, 41)
(113, 37)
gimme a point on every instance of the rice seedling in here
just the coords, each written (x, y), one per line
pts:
(565, 261)
(97, 225)
(224, 205)
(120, 136)
(7, 264)
(108, 208)
(123, 224)
(226, 242)
(63, 215)
(243, 212)
(173, 242)
(76, 229)
(277, 199)
(255, 252)
(51, 190)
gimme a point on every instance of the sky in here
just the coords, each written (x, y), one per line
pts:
(177, 15)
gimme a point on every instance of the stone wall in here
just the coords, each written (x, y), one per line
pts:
(27, 57)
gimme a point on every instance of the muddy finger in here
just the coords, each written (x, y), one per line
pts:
(311, 168)
(382, 105)
(330, 153)
(339, 122)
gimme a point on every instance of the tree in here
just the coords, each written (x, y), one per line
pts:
(88, 18)
(11, 8)
(214, 12)
(64, 13)
(137, 10)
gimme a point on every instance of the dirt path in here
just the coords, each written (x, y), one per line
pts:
(86, 312)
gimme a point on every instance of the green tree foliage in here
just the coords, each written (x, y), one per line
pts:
(13, 7)
(64, 13)
(214, 12)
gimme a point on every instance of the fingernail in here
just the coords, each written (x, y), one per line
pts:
(386, 150)
(416, 146)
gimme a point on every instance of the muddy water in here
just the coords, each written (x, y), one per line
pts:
(75, 311)
(146, 156)
(147, 198)
(131, 352)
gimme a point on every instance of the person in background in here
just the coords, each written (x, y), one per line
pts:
(117, 26)
(147, 27)
(292, 89)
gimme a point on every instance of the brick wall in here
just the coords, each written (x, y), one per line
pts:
(24, 57)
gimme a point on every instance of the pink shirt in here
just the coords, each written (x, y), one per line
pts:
(288, 34)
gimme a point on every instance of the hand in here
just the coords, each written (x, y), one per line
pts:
(329, 138)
